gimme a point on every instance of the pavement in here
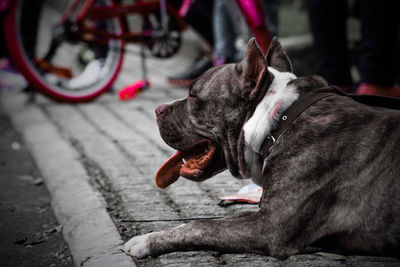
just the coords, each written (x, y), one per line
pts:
(30, 234)
(98, 161)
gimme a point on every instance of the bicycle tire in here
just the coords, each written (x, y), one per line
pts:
(38, 78)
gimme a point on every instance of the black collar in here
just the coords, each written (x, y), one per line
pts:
(302, 103)
(307, 99)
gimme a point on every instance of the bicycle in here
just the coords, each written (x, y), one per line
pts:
(92, 35)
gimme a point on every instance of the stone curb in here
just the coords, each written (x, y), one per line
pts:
(87, 227)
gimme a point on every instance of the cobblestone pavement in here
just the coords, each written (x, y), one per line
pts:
(119, 147)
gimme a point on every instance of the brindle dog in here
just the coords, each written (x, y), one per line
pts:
(333, 175)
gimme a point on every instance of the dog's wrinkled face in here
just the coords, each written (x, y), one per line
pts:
(206, 126)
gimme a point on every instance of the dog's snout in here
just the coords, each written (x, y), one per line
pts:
(160, 109)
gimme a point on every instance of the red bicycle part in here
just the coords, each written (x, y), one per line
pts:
(56, 70)
(99, 36)
(27, 68)
(183, 10)
(133, 90)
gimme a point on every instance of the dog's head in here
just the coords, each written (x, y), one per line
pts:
(206, 127)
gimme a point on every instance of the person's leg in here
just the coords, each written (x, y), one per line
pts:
(380, 26)
(328, 25)
(224, 34)
(199, 17)
(271, 10)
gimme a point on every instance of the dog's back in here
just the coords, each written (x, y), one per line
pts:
(359, 161)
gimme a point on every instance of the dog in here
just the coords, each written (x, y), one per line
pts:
(332, 178)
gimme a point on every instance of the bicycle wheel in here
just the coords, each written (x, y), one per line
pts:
(162, 43)
(54, 62)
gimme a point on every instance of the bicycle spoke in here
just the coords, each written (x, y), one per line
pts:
(51, 53)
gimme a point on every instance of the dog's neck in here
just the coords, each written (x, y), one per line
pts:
(265, 119)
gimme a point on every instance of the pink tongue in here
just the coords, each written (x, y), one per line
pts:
(169, 171)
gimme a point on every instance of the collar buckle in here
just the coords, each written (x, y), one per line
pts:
(271, 137)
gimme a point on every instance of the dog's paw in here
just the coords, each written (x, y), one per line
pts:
(138, 246)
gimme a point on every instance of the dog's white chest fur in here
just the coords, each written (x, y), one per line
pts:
(265, 119)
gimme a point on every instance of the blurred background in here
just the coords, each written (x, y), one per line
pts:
(59, 45)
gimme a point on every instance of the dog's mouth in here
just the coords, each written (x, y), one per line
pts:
(191, 164)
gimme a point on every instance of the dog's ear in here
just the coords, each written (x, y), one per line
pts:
(252, 68)
(277, 58)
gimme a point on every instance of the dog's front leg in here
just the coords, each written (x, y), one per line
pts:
(231, 234)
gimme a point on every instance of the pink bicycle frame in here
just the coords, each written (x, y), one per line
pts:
(251, 10)
(88, 11)
(4, 5)
(255, 19)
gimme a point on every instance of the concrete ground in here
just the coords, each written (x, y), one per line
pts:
(30, 234)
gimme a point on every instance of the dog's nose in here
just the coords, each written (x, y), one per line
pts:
(160, 109)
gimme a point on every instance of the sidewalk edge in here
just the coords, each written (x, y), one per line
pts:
(87, 227)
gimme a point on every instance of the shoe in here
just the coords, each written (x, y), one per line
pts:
(185, 78)
(10, 78)
(371, 89)
(88, 77)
